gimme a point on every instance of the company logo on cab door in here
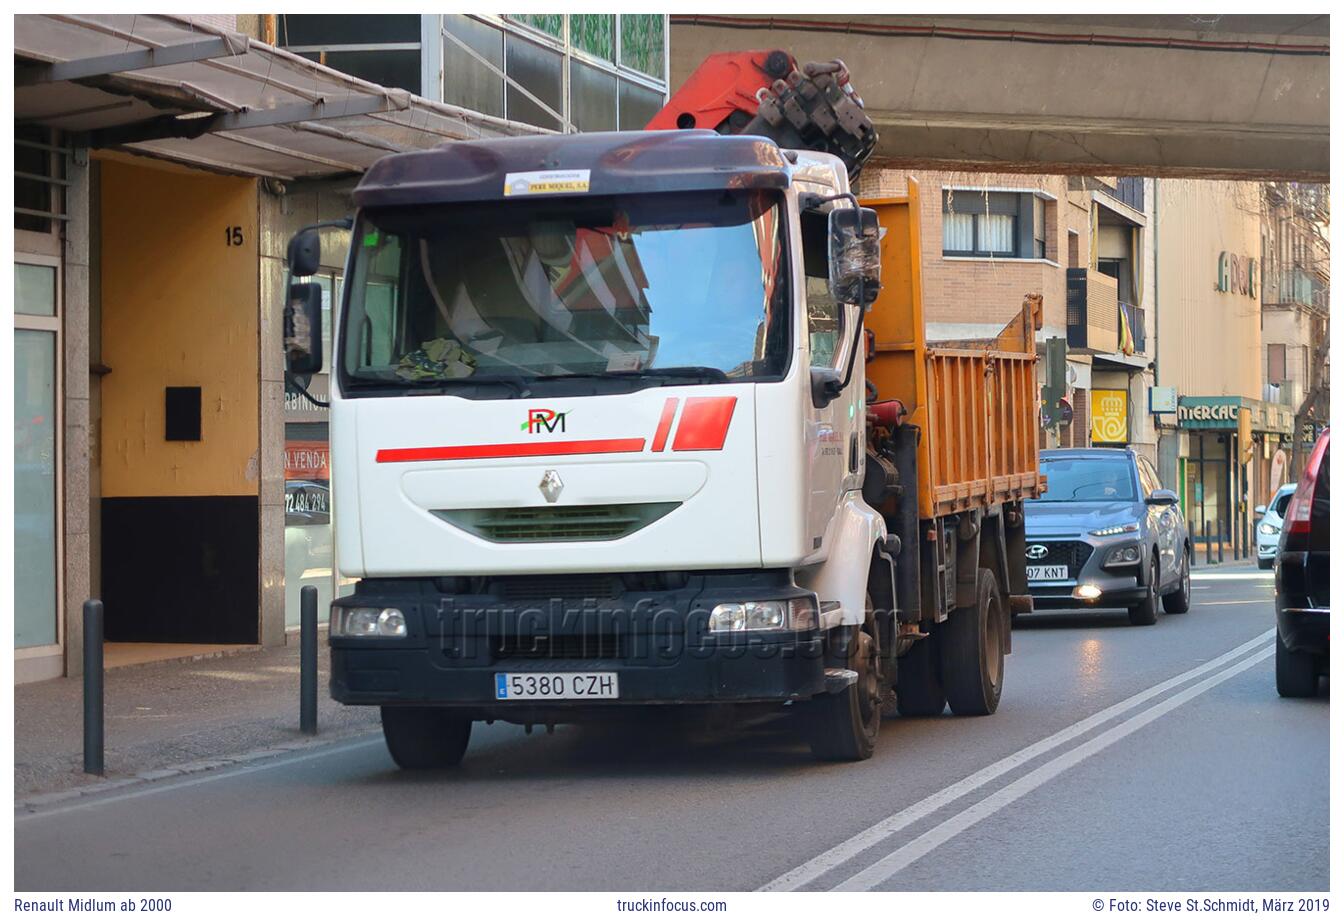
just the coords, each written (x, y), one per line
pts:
(703, 425)
(548, 420)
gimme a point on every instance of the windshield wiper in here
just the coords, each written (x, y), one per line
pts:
(438, 386)
(652, 373)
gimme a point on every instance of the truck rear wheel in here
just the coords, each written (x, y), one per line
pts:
(425, 738)
(971, 647)
(919, 686)
(844, 725)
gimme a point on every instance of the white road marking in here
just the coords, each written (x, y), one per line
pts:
(842, 852)
(94, 800)
(925, 843)
(1232, 576)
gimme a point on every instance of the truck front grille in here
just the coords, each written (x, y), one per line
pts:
(557, 647)
(556, 524)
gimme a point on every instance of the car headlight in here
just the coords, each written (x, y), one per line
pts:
(1123, 555)
(368, 623)
(798, 613)
(1131, 527)
(1268, 529)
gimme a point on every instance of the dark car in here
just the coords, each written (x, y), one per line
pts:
(1302, 580)
(1106, 534)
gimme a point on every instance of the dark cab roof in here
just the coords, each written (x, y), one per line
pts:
(619, 162)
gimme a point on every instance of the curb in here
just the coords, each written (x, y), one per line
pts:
(31, 803)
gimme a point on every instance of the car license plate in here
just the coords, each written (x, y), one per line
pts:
(1047, 572)
(581, 685)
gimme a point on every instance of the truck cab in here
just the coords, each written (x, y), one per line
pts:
(598, 433)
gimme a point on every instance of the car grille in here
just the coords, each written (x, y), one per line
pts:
(557, 524)
(1072, 553)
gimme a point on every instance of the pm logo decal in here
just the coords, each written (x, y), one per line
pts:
(548, 420)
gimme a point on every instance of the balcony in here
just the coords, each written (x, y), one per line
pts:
(1127, 190)
(1134, 318)
(1093, 309)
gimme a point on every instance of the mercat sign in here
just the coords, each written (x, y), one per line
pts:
(1237, 274)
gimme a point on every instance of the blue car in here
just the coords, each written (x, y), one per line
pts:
(1106, 534)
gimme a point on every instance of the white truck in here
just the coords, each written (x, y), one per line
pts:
(602, 439)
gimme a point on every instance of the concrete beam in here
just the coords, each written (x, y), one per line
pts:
(1226, 97)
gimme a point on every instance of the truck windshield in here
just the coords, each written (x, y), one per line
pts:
(686, 288)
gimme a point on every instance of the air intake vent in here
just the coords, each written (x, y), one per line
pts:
(552, 524)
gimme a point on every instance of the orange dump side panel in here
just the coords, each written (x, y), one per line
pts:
(976, 404)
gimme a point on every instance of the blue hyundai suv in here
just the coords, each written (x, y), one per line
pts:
(1106, 534)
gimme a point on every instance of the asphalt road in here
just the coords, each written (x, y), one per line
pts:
(1121, 758)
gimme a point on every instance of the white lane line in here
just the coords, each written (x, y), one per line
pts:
(846, 850)
(93, 800)
(1232, 576)
(926, 842)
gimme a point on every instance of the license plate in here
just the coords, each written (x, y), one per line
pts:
(1047, 572)
(581, 685)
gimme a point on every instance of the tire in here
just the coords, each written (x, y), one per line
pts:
(1178, 601)
(844, 725)
(1295, 673)
(919, 685)
(425, 738)
(1265, 563)
(971, 651)
(1145, 614)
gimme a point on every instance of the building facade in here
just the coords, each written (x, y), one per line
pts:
(160, 463)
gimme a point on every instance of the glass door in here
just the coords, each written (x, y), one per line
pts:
(36, 457)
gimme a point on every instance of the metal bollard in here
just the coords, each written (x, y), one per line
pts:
(93, 687)
(1208, 547)
(308, 660)
(1220, 547)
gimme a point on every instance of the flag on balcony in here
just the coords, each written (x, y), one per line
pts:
(1126, 333)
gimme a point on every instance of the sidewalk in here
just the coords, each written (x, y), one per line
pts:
(169, 714)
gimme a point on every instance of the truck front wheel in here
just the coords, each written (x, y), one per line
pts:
(971, 643)
(425, 738)
(844, 725)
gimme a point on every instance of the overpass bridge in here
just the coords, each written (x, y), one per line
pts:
(1241, 96)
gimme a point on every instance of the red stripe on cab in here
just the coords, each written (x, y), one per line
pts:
(498, 451)
(704, 423)
(664, 424)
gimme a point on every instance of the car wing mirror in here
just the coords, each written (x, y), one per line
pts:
(1162, 497)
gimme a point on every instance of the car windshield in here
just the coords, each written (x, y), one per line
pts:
(1087, 479)
(690, 288)
(1281, 502)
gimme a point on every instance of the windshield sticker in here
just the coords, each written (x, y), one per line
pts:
(546, 182)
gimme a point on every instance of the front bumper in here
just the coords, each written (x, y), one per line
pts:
(656, 643)
(1115, 587)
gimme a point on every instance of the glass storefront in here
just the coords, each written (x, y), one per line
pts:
(35, 456)
(1207, 492)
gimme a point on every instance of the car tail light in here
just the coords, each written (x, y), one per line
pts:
(1297, 519)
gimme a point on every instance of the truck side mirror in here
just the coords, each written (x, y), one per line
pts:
(305, 254)
(303, 329)
(855, 255)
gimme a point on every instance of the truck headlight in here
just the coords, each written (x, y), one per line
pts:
(368, 623)
(1268, 529)
(798, 613)
(1131, 527)
(1123, 555)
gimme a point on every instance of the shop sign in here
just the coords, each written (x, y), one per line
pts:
(1161, 399)
(1208, 411)
(1110, 416)
(1237, 275)
(307, 460)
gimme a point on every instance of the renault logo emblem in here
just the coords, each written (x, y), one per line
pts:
(551, 486)
(1037, 551)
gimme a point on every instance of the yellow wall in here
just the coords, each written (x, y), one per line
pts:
(1208, 340)
(179, 308)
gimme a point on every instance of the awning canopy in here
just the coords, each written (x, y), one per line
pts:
(171, 87)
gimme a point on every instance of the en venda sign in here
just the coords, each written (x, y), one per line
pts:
(1237, 275)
